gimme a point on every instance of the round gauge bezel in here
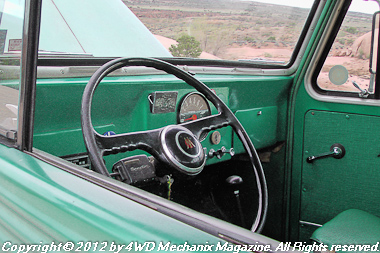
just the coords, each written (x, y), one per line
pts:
(185, 98)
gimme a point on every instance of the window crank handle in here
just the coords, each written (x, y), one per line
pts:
(337, 151)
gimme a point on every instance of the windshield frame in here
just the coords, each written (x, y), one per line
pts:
(30, 61)
(29, 55)
(54, 60)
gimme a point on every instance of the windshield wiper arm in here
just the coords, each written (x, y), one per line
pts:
(42, 53)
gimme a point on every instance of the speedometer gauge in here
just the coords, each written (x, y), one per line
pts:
(193, 106)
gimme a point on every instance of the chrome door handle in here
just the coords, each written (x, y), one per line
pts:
(337, 151)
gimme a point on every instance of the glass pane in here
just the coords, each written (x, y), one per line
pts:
(351, 52)
(11, 29)
(94, 28)
(260, 31)
(257, 31)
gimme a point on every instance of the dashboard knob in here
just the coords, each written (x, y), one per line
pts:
(220, 152)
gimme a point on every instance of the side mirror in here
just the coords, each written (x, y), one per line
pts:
(375, 42)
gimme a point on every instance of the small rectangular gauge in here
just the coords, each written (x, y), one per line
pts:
(163, 101)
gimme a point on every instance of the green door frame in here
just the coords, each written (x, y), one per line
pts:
(299, 103)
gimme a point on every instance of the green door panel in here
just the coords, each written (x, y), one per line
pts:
(303, 105)
(329, 185)
(40, 203)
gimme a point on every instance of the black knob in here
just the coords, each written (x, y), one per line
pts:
(234, 180)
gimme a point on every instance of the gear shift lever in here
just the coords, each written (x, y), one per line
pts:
(234, 181)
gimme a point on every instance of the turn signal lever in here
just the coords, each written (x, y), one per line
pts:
(337, 151)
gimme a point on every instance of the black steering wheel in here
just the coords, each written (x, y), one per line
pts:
(168, 144)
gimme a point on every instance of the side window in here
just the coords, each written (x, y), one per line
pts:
(11, 25)
(346, 68)
(247, 31)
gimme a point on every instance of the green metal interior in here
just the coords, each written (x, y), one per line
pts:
(321, 190)
(37, 213)
(121, 105)
(283, 121)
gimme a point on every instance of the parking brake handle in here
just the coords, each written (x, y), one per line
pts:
(337, 151)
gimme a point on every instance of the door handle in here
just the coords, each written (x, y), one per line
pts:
(337, 151)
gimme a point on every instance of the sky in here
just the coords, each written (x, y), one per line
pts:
(357, 5)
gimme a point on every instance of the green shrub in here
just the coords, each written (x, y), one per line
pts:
(342, 41)
(267, 55)
(187, 47)
(352, 30)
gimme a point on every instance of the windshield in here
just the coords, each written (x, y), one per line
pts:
(260, 31)
(84, 28)
(11, 25)
(241, 30)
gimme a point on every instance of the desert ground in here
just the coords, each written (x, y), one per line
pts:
(238, 30)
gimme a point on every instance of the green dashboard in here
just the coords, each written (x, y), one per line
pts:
(129, 103)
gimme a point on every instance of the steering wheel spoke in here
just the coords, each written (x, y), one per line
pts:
(114, 144)
(213, 122)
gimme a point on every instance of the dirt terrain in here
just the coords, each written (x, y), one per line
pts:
(224, 24)
(237, 30)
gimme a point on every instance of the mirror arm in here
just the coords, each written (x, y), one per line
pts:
(363, 93)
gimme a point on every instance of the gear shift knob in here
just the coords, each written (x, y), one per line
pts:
(234, 180)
